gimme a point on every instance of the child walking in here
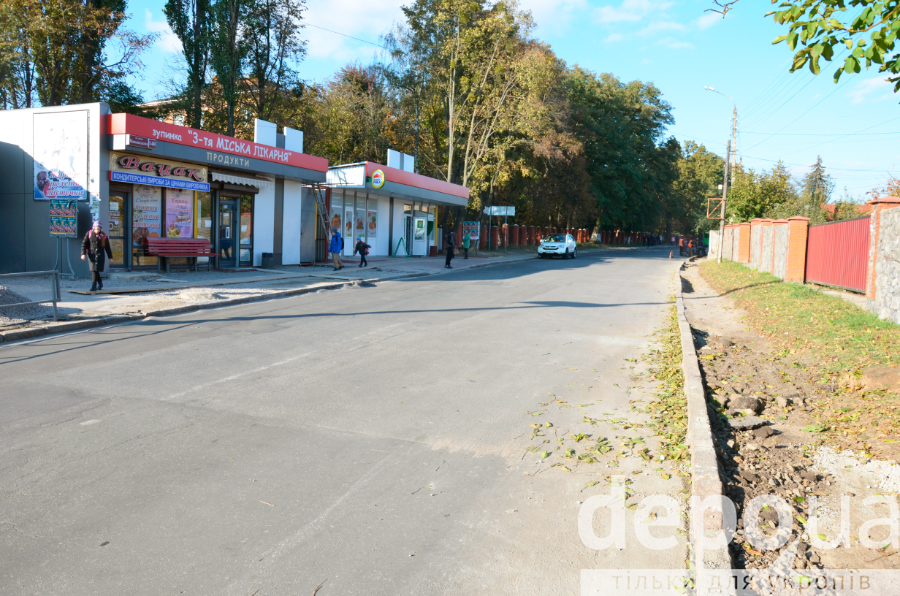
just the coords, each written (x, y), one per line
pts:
(363, 249)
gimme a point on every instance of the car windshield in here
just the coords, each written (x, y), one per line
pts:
(555, 238)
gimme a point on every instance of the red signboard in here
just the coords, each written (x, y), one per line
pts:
(191, 137)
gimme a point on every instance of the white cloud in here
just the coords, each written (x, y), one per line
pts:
(708, 20)
(614, 37)
(630, 10)
(675, 44)
(865, 89)
(660, 26)
(168, 42)
(554, 15)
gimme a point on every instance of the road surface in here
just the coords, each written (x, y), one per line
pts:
(369, 438)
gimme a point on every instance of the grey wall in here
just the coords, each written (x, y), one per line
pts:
(780, 246)
(729, 239)
(714, 244)
(308, 227)
(886, 303)
(768, 240)
(25, 241)
(754, 246)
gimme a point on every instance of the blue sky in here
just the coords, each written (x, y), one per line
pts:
(853, 125)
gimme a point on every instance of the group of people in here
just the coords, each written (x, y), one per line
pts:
(690, 246)
(337, 245)
(450, 245)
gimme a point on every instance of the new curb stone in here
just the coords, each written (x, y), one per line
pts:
(705, 479)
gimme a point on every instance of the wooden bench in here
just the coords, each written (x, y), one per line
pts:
(166, 248)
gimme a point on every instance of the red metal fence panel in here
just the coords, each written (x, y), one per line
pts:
(838, 253)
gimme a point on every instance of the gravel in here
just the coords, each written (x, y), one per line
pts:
(886, 473)
(23, 313)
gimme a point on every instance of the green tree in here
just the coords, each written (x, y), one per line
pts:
(228, 53)
(868, 28)
(191, 21)
(760, 194)
(700, 172)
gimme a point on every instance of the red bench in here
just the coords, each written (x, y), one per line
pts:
(166, 248)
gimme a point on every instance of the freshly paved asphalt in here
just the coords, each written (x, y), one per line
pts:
(371, 438)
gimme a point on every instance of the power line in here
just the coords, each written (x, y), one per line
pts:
(347, 36)
(814, 106)
(821, 134)
(841, 137)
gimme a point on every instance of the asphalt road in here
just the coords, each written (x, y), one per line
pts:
(372, 438)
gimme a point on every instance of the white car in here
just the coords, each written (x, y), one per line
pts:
(561, 245)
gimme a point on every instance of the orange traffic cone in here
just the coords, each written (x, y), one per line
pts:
(670, 254)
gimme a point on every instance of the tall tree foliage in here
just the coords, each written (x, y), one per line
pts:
(56, 52)
(191, 21)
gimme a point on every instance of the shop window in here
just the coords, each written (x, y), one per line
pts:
(146, 222)
(203, 217)
(179, 213)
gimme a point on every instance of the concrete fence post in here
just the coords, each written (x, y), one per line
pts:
(798, 231)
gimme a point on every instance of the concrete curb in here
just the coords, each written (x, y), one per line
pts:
(705, 478)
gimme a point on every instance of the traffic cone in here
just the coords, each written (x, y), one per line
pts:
(670, 254)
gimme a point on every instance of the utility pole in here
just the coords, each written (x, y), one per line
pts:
(733, 131)
(733, 145)
(724, 199)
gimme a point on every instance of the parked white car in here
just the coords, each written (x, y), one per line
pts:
(561, 245)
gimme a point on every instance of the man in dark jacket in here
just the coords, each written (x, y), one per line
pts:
(95, 247)
(450, 241)
(336, 246)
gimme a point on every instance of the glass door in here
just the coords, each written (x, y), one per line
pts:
(119, 216)
(246, 231)
(228, 218)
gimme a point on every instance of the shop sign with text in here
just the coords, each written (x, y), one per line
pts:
(156, 172)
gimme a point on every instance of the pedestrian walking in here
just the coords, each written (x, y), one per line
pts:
(681, 246)
(363, 249)
(450, 242)
(691, 247)
(467, 241)
(95, 247)
(336, 246)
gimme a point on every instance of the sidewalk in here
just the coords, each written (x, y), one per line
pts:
(134, 295)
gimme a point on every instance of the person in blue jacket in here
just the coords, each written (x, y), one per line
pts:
(336, 246)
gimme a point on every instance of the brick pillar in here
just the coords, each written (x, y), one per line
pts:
(459, 234)
(796, 250)
(530, 236)
(504, 236)
(514, 235)
(879, 205)
(743, 246)
(483, 237)
(495, 237)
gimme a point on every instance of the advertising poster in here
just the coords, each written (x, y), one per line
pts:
(335, 220)
(63, 218)
(372, 224)
(61, 156)
(420, 229)
(361, 223)
(147, 210)
(473, 227)
(179, 214)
